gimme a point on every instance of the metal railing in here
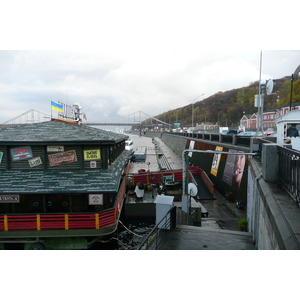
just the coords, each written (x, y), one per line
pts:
(289, 171)
(157, 235)
(57, 221)
(217, 137)
(65, 221)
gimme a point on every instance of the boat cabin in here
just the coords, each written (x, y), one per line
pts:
(59, 179)
(284, 123)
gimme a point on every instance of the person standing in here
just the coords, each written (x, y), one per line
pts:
(293, 131)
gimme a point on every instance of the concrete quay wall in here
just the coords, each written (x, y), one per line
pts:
(273, 218)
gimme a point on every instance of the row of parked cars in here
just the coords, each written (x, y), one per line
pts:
(252, 133)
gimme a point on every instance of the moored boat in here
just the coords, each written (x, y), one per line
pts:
(61, 185)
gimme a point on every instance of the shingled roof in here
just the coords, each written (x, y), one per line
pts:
(64, 181)
(53, 131)
(61, 181)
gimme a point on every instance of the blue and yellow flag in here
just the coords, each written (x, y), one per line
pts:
(57, 107)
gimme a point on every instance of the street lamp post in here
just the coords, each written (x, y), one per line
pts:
(193, 110)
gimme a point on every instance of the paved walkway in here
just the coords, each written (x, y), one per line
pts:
(201, 238)
(151, 160)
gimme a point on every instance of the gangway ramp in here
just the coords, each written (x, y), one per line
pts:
(203, 183)
(203, 191)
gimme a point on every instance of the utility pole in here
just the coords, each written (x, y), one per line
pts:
(291, 95)
(193, 110)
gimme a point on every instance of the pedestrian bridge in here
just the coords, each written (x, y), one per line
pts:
(133, 119)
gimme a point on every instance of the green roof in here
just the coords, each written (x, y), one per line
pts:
(64, 181)
(53, 131)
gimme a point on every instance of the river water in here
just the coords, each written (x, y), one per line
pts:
(129, 236)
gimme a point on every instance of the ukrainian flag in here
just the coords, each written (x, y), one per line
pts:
(57, 107)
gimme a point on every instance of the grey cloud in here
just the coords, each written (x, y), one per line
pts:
(111, 85)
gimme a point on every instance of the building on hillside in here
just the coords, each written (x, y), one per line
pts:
(60, 180)
(249, 121)
(269, 117)
(283, 110)
(268, 120)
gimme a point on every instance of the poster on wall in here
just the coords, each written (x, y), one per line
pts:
(93, 164)
(92, 154)
(96, 199)
(192, 144)
(58, 158)
(21, 153)
(36, 161)
(216, 162)
(9, 199)
(55, 148)
(234, 169)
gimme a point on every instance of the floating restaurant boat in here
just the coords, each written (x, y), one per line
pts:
(143, 188)
(61, 185)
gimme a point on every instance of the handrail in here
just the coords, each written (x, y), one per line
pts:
(63, 220)
(58, 221)
(207, 182)
(155, 237)
(289, 171)
(153, 177)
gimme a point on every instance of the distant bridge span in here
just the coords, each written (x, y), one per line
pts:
(33, 116)
(116, 124)
(136, 121)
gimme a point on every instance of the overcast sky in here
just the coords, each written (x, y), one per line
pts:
(148, 56)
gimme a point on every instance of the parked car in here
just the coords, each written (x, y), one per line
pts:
(203, 131)
(274, 134)
(232, 132)
(268, 132)
(249, 133)
(258, 134)
(241, 133)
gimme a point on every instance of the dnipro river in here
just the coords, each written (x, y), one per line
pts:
(128, 238)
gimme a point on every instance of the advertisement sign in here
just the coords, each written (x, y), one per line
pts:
(168, 178)
(96, 199)
(216, 162)
(9, 199)
(192, 144)
(234, 169)
(92, 154)
(58, 158)
(36, 161)
(242, 128)
(21, 153)
(55, 148)
(93, 164)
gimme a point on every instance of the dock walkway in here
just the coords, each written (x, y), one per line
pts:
(217, 232)
(218, 208)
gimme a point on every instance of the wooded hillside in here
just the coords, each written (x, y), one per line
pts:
(228, 107)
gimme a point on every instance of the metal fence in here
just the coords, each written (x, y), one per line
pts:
(157, 235)
(216, 137)
(289, 171)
